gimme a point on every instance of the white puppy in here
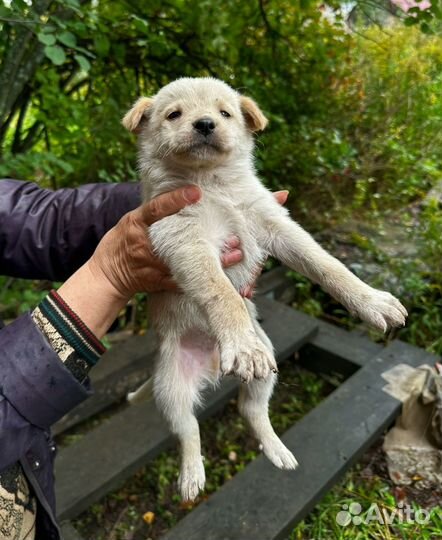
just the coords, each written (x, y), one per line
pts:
(200, 131)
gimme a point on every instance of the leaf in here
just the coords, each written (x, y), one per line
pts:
(4, 11)
(83, 62)
(55, 54)
(72, 4)
(46, 39)
(67, 38)
(20, 4)
(80, 28)
(425, 28)
(85, 52)
(410, 21)
(140, 24)
(102, 44)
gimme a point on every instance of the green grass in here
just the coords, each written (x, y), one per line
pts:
(356, 487)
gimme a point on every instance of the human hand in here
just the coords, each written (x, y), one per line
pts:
(125, 256)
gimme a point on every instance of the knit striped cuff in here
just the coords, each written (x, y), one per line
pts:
(71, 328)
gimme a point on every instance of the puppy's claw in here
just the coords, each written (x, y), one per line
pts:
(247, 358)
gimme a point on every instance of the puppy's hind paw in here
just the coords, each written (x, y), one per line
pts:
(191, 480)
(279, 454)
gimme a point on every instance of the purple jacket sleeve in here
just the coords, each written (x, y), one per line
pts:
(49, 234)
(36, 389)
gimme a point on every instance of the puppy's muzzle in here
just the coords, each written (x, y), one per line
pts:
(205, 126)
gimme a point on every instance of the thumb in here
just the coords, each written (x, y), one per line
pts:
(167, 204)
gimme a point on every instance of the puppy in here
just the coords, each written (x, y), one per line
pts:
(200, 131)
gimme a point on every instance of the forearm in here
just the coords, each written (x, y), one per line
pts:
(93, 299)
(48, 234)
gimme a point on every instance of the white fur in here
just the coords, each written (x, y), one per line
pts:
(209, 330)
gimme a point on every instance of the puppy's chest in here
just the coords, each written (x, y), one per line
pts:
(220, 222)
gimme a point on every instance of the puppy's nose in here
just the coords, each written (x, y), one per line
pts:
(204, 125)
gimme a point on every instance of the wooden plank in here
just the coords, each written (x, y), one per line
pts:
(274, 282)
(121, 369)
(69, 532)
(354, 347)
(264, 502)
(334, 349)
(113, 451)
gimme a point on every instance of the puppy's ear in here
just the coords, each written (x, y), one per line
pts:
(254, 117)
(134, 118)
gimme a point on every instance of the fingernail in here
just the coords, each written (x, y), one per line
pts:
(191, 194)
(232, 242)
(234, 256)
(250, 293)
(286, 193)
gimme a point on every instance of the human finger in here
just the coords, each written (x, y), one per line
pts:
(167, 204)
(229, 258)
(281, 196)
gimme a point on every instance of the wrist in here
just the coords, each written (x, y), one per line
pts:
(93, 298)
(102, 280)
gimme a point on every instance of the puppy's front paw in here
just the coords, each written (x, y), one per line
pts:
(247, 358)
(380, 309)
(191, 479)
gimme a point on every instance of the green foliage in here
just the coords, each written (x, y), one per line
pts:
(19, 296)
(354, 129)
(350, 115)
(395, 119)
(421, 283)
(354, 118)
(428, 20)
(97, 59)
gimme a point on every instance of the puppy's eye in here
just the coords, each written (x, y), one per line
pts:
(173, 115)
(225, 114)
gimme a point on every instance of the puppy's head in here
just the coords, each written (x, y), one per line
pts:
(199, 121)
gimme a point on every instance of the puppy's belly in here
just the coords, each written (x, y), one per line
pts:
(198, 356)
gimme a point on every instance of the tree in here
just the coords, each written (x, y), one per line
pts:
(88, 61)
